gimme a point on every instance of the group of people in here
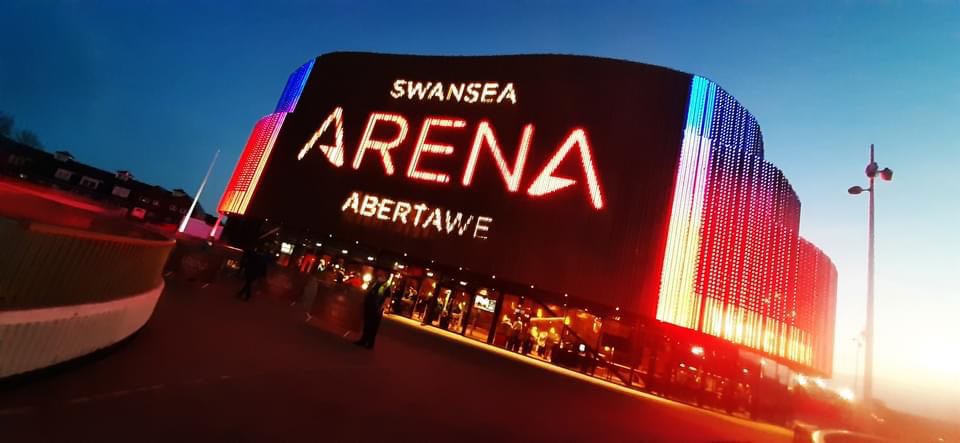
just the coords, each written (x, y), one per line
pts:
(437, 308)
(525, 338)
(255, 262)
(445, 312)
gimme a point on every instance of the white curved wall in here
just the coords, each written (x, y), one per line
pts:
(36, 338)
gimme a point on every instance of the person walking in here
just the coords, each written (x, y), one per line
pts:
(254, 266)
(309, 295)
(373, 311)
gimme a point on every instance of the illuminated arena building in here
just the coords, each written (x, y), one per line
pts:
(608, 216)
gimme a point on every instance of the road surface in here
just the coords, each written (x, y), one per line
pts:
(211, 368)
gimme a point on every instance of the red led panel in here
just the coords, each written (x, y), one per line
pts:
(247, 173)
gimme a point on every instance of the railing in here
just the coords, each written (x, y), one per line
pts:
(67, 292)
(43, 265)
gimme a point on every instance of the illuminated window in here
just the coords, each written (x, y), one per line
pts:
(120, 191)
(91, 183)
(63, 174)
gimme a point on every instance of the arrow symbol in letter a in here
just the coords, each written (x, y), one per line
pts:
(333, 153)
(546, 182)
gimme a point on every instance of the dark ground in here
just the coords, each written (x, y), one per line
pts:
(210, 368)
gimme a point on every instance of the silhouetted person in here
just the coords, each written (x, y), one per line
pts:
(430, 312)
(513, 335)
(254, 265)
(372, 312)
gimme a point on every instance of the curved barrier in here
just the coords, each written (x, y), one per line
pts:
(66, 292)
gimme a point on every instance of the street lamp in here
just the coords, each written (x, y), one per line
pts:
(856, 372)
(885, 174)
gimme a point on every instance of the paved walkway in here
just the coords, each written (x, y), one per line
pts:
(210, 368)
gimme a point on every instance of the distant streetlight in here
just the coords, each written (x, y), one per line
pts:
(193, 204)
(856, 371)
(885, 174)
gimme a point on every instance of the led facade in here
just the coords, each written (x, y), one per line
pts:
(628, 185)
(734, 261)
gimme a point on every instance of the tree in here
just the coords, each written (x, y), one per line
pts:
(6, 124)
(28, 138)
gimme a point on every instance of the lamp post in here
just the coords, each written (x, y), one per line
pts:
(885, 174)
(856, 372)
(186, 217)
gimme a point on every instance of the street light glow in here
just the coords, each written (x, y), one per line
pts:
(846, 394)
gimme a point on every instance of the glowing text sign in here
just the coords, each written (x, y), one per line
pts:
(484, 140)
(417, 215)
(475, 92)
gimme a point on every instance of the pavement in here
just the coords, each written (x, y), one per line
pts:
(208, 367)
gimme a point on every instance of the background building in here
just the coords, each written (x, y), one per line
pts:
(145, 202)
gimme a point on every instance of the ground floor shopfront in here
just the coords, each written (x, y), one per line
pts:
(597, 341)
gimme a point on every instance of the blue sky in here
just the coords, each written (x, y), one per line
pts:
(154, 88)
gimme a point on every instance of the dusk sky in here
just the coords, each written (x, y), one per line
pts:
(156, 89)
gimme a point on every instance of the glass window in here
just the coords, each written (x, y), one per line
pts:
(63, 174)
(480, 316)
(88, 182)
(121, 192)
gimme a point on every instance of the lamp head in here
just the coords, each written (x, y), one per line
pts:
(886, 174)
(855, 190)
(871, 170)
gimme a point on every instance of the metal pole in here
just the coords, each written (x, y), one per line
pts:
(856, 371)
(213, 232)
(868, 356)
(186, 217)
